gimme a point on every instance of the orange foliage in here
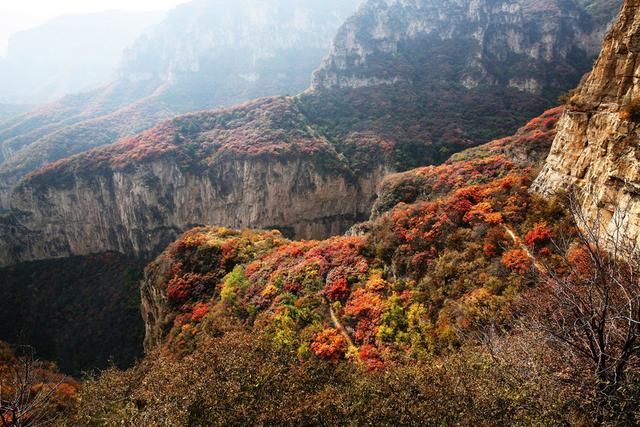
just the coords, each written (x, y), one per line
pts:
(371, 357)
(329, 345)
(517, 260)
(337, 289)
(199, 311)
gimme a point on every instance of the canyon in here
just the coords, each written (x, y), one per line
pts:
(356, 132)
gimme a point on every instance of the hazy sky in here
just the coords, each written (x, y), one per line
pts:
(16, 15)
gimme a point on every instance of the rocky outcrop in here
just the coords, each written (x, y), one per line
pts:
(528, 45)
(597, 149)
(237, 176)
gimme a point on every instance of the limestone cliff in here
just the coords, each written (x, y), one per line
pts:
(259, 165)
(529, 45)
(597, 148)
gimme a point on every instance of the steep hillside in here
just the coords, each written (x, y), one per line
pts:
(532, 46)
(205, 54)
(9, 111)
(451, 72)
(409, 123)
(597, 148)
(411, 316)
(83, 313)
(427, 221)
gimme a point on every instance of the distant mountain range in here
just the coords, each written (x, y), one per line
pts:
(205, 54)
(68, 54)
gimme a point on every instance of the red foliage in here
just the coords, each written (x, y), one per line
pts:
(366, 308)
(490, 249)
(199, 311)
(182, 287)
(540, 235)
(371, 357)
(329, 345)
(337, 289)
(483, 212)
(329, 263)
(178, 290)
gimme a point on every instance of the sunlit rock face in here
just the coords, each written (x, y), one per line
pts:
(597, 149)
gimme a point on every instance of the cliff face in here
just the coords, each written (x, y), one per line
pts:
(452, 214)
(528, 45)
(597, 149)
(209, 168)
(308, 164)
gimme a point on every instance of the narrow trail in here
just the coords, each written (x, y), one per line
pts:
(518, 242)
(340, 327)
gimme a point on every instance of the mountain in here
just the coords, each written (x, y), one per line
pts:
(215, 53)
(416, 222)
(68, 54)
(261, 164)
(455, 71)
(596, 151)
(9, 111)
(537, 47)
(205, 54)
(182, 170)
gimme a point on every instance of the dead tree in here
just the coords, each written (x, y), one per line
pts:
(588, 304)
(24, 401)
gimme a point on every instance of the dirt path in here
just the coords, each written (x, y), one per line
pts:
(518, 242)
(341, 328)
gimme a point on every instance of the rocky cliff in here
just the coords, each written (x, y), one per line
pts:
(308, 164)
(597, 149)
(260, 165)
(449, 74)
(446, 220)
(528, 45)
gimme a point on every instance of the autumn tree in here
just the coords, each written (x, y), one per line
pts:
(589, 306)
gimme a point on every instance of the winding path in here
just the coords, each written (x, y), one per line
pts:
(518, 242)
(340, 327)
